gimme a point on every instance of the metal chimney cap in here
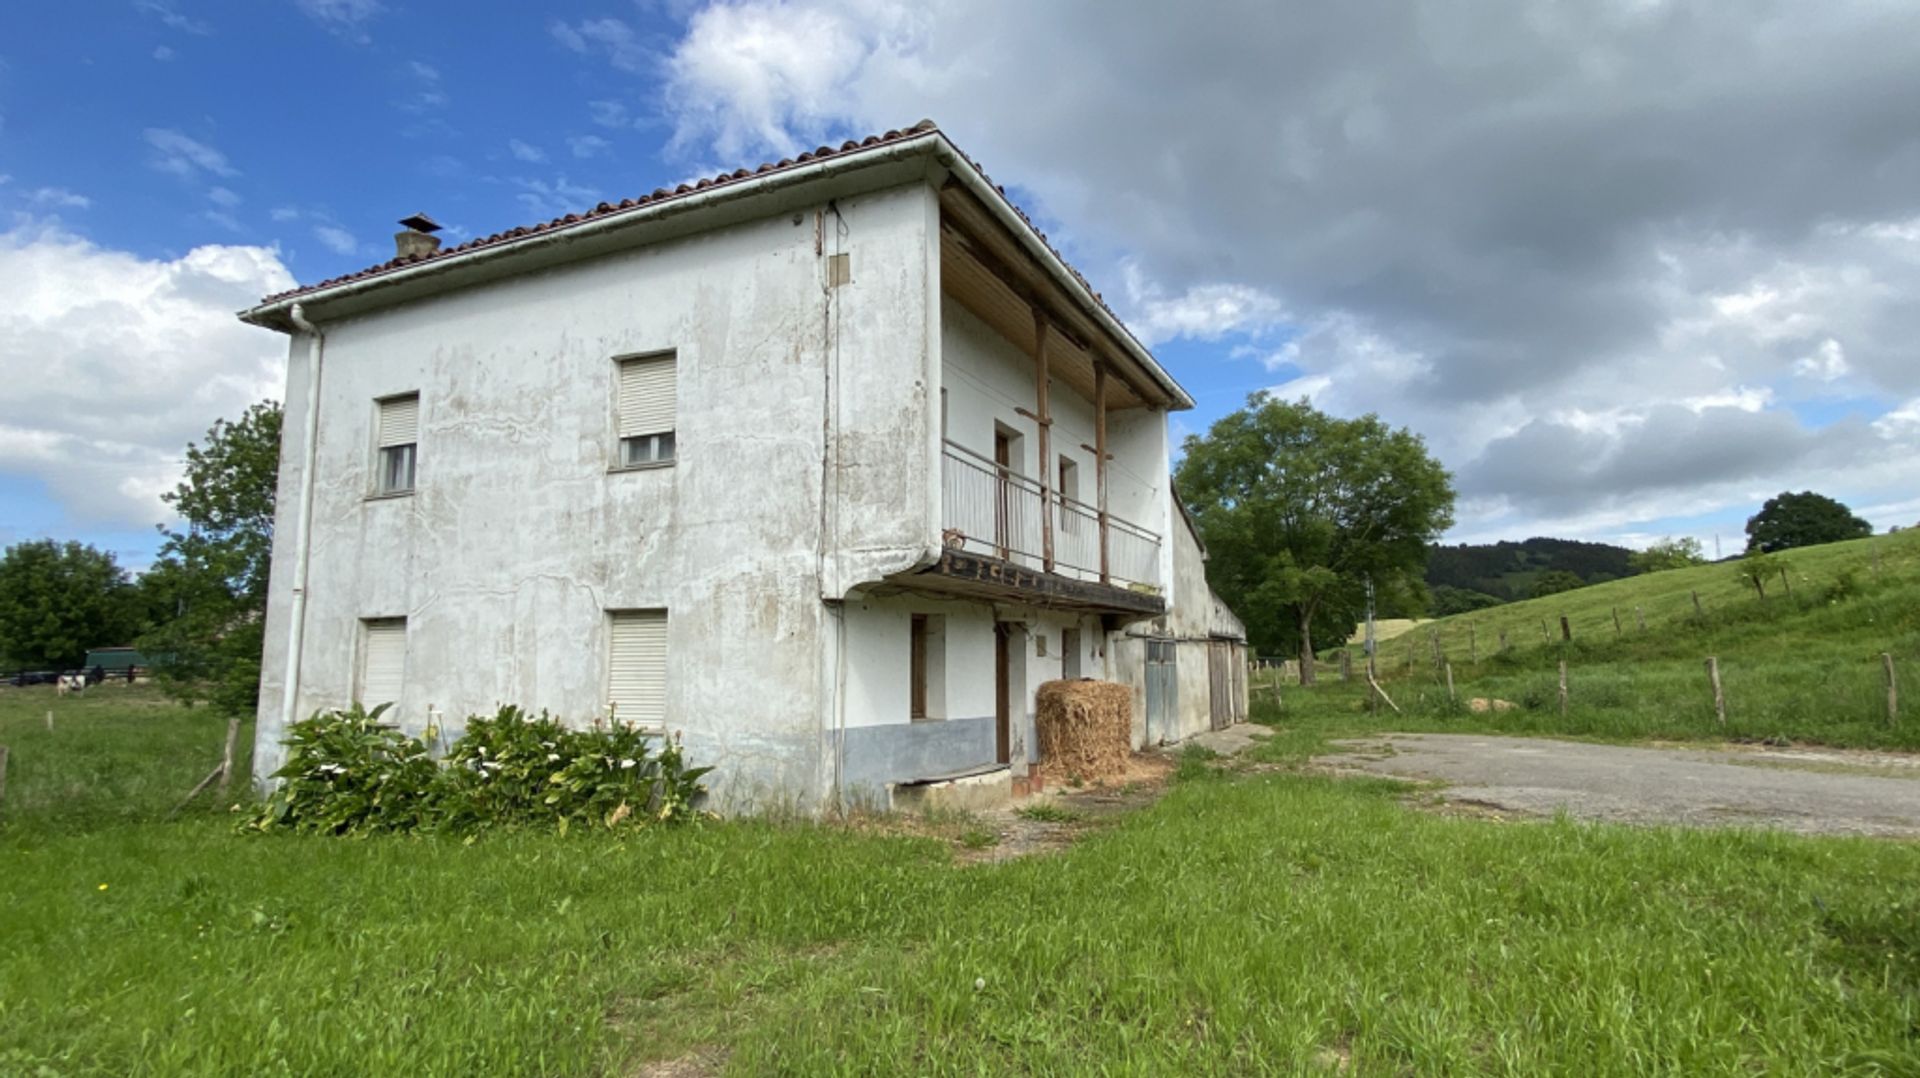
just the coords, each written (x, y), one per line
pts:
(420, 222)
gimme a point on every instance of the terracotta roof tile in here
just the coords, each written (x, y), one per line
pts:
(661, 194)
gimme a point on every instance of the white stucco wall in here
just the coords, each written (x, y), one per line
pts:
(519, 539)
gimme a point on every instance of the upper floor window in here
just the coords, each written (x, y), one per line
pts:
(646, 402)
(399, 425)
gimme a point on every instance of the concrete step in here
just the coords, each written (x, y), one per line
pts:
(974, 790)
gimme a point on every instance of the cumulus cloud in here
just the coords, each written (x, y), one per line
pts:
(1525, 231)
(117, 362)
(522, 151)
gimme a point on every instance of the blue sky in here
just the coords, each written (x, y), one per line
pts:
(1293, 199)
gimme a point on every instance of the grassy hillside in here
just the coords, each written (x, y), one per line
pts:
(1801, 666)
(1508, 570)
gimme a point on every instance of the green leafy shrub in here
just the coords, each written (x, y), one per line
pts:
(516, 769)
(348, 773)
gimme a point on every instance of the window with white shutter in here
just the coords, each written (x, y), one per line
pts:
(645, 388)
(383, 661)
(399, 438)
(637, 666)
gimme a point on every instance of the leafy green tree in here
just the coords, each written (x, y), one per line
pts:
(1449, 600)
(1680, 553)
(210, 582)
(1757, 568)
(1299, 508)
(1554, 582)
(1791, 520)
(59, 599)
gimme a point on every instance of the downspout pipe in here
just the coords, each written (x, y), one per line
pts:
(303, 516)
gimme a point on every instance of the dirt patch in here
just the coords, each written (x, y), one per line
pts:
(698, 1063)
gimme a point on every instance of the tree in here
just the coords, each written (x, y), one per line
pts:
(1449, 600)
(1790, 520)
(1757, 568)
(1667, 554)
(1554, 582)
(1298, 509)
(210, 582)
(59, 599)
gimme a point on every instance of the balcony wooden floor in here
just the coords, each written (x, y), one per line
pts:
(979, 576)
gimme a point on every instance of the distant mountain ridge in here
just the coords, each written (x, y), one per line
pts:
(1507, 570)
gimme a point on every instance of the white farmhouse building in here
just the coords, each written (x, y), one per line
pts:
(826, 465)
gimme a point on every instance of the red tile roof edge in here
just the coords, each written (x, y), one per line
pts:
(663, 194)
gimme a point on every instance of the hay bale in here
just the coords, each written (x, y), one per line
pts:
(1085, 729)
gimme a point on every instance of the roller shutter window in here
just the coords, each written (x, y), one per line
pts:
(383, 661)
(399, 443)
(637, 666)
(647, 397)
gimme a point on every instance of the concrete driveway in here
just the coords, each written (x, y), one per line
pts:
(1811, 791)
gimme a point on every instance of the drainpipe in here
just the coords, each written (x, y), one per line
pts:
(303, 519)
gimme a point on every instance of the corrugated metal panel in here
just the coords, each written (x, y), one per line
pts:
(400, 421)
(637, 666)
(647, 395)
(383, 662)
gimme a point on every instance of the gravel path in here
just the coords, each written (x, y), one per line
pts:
(1806, 790)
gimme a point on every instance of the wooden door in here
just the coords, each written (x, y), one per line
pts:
(1163, 688)
(1002, 693)
(1219, 685)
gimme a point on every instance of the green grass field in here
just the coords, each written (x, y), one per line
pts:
(1249, 921)
(1802, 667)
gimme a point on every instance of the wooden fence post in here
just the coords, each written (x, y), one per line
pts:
(1893, 689)
(1563, 688)
(1450, 699)
(1697, 612)
(1346, 666)
(1719, 697)
(1640, 619)
(3, 776)
(1544, 638)
(1616, 622)
(1566, 629)
(1503, 640)
(1473, 646)
(1786, 582)
(1433, 637)
(49, 722)
(226, 753)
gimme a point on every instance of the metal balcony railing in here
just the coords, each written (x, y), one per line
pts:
(989, 509)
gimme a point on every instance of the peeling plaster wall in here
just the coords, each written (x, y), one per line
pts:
(520, 539)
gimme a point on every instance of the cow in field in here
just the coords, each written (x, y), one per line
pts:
(70, 683)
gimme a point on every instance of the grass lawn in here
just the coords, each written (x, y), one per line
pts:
(1249, 921)
(1801, 667)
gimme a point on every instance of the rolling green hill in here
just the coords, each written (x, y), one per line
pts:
(1800, 665)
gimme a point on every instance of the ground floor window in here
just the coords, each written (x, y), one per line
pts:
(637, 666)
(383, 661)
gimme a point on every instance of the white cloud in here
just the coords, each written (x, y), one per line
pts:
(172, 18)
(554, 198)
(117, 361)
(346, 18)
(609, 37)
(163, 53)
(428, 93)
(338, 240)
(1828, 363)
(221, 196)
(1204, 312)
(526, 152)
(58, 198)
(588, 145)
(609, 113)
(179, 155)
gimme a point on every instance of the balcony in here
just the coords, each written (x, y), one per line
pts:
(995, 527)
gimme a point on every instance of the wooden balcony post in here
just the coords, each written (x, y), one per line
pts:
(1100, 456)
(1043, 419)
